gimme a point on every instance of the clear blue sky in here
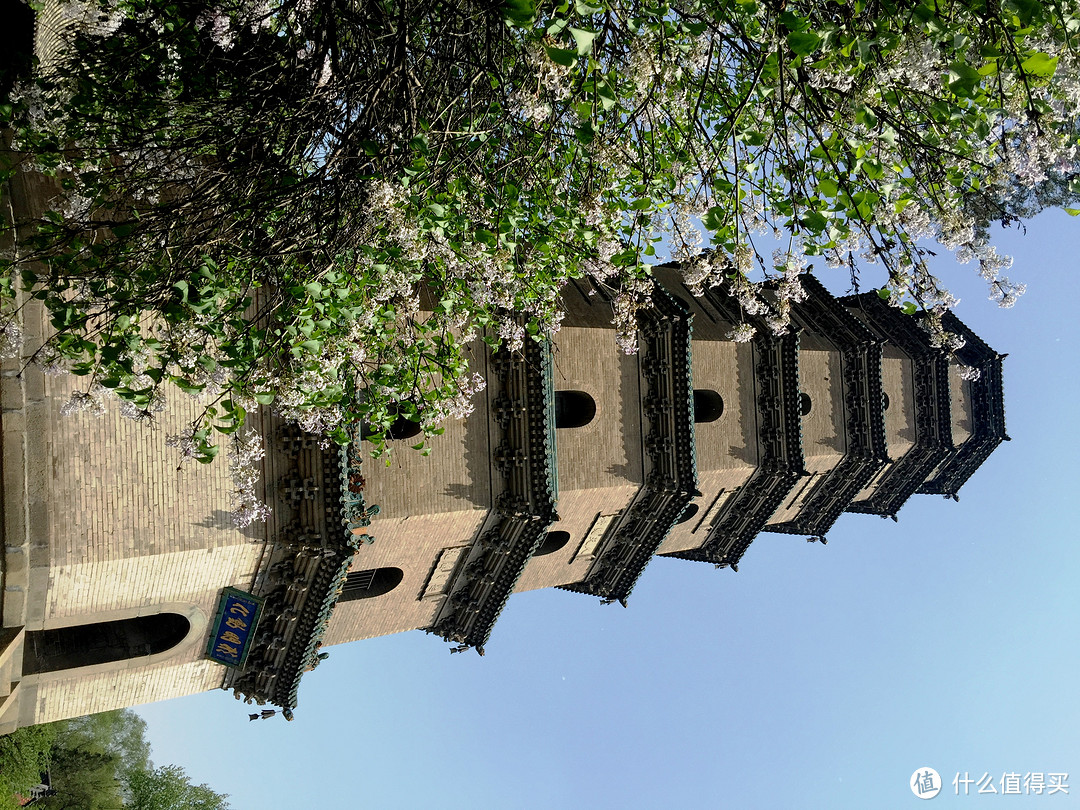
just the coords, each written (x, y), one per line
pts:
(816, 677)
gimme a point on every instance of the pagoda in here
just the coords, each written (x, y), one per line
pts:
(125, 582)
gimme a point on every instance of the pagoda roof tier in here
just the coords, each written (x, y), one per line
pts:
(670, 483)
(933, 426)
(525, 455)
(777, 374)
(861, 350)
(303, 582)
(782, 463)
(988, 413)
(864, 410)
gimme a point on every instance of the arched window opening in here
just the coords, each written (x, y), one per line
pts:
(804, 403)
(370, 583)
(573, 409)
(552, 543)
(401, 428)
(17, 41)
(85, 645)
(708, 405)
(688, 513)
(884, 401)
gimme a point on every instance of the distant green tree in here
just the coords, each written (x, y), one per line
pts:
(120, 733)
(24, 756)
(97, 762)
(169, 788)
(84, 780)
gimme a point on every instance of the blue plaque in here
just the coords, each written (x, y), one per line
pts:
(234, 627)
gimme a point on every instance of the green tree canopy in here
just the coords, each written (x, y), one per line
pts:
(24, 757)
(84, 779)
(262, 202)
(97, 762)
(120, 734)
(169, 788)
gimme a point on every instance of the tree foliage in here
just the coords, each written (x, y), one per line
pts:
(169, 788)
(84, 779)
(97, 762)
(24, 756)
(120, 734)
(320, 203)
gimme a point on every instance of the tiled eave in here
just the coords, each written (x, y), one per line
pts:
(864, 413)
(525, 455)
(308, 566)
(671, 477)
(988, 412)
(861, 352)
(865, 455)
(933, 431)
(828, 499)
(746, 513)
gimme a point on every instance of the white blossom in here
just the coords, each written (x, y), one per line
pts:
(969, 373)
(91, 402)
(10, 340)
(743, 333)
(246, 452)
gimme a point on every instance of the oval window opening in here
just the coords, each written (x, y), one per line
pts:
(884, 401)
(708, 405)
(688, 513)
(552, 543)
(573, 409)
(86, 645)
(805, 404)
(370, 583)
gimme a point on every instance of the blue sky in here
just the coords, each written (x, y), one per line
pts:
(816, 677)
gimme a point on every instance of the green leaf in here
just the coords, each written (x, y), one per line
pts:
(963, 79)
(583, 39)
(520, 13)
(1027, 10)
(793, 22)
(803, 43)
(561, 56)
(585, 9)
(1040, 64)
(813, 221)
(714, 218)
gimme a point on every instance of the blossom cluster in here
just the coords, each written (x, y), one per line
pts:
(244, 456)
(329, 228)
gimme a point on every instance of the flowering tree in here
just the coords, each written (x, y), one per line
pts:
(319, 203)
